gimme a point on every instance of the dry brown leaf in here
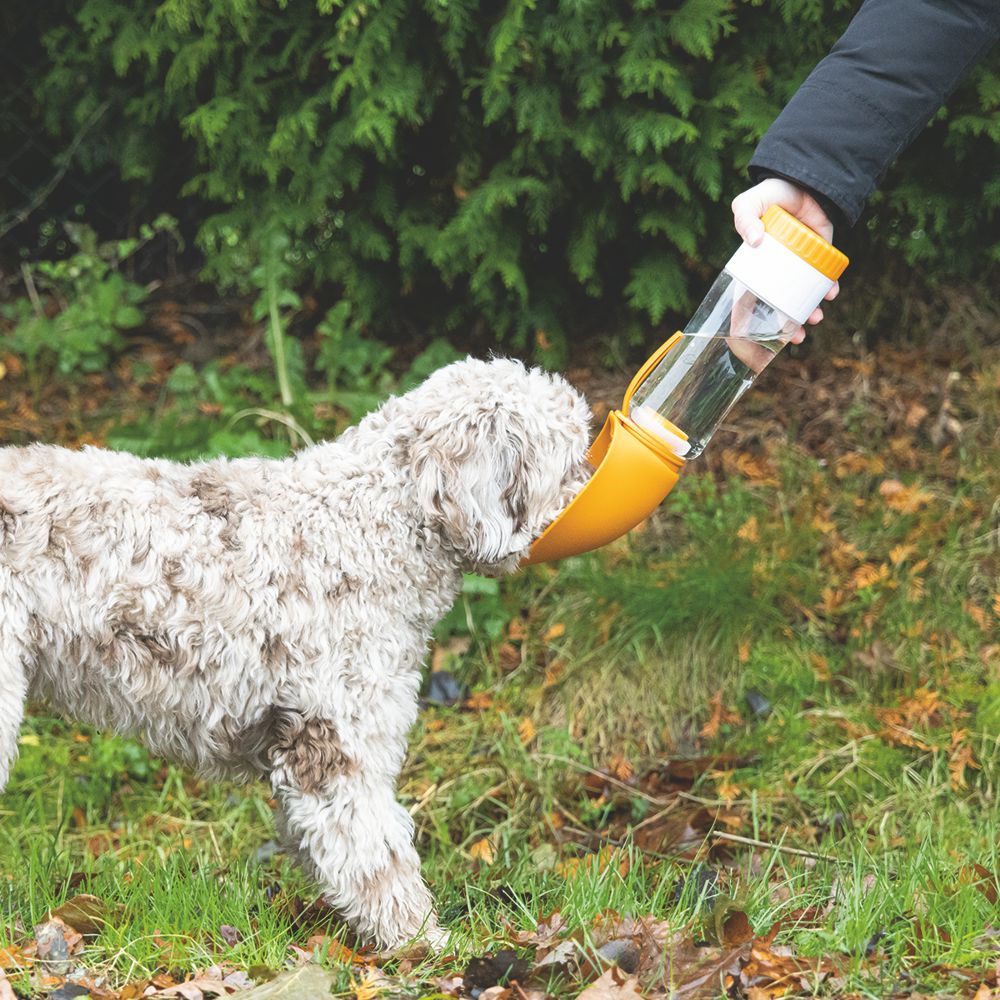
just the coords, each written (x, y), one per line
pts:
(903, 499)
(554, 632)
(820, 665)
(84, 913)
(720, 716)
(509, 657)
(749, 530)
(517, 630)
(552, 673)
(868, 575)
(599, 862)
(526, 731)
(613, 985)
(726, 789)
(482, 850)
(854, 463)
(370, 986)
(900, 553)
(13, 959)
(960, 756)
(977, 614)
(621, 767)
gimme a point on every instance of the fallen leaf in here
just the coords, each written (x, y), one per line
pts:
(509, 657)
(960, 757)
(555, 632)
(482, 850)
(13, 959)
(900, 553)
(54, 943)
(307, 982)
(599, 862)
(903, 499)
(231, 935)
(977, 614)
(84, 913)
(720, 716)
(983, 879)
(613, 985)
(553, 672)
(868, 575)
(621, 767)
(485, 971)
(526, 731)
(370, 986)
(693, 973)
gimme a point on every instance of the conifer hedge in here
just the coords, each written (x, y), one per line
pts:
(539, 168)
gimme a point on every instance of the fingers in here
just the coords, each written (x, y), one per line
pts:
(747, 210)
(815, 317)
(833, 293)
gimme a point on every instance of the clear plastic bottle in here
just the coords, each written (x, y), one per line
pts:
(755, 306)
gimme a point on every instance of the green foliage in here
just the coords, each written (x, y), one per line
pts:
(529, 167)
(76, 309)
(237, 410)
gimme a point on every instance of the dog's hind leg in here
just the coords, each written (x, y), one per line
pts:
(354, 837)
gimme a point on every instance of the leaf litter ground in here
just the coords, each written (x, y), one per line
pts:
(814, 813)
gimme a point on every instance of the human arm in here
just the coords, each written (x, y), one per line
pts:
(866, 101)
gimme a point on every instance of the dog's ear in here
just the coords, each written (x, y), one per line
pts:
(471, 476)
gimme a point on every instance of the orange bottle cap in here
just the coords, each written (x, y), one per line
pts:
(804, 243)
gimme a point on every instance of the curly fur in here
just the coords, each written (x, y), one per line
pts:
(256, 618)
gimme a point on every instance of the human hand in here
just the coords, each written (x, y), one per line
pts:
(749, 206)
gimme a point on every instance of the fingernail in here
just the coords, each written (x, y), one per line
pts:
(756, 235)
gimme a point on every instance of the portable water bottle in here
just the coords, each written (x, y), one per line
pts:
(683, 392)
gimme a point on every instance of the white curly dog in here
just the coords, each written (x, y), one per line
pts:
(260, 618)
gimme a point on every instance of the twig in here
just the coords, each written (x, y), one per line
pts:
(768, 845)
(29, 284)
(610, 779)
(657, 815)
(617, 842)
(16, 218)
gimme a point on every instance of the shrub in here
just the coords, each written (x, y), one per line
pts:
(76, 308)
(536, 169)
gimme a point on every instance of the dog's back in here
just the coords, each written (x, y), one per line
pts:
(143, 594)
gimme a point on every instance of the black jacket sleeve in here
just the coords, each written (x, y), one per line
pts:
(867, 100)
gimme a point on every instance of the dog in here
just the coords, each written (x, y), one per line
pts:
(256, 618)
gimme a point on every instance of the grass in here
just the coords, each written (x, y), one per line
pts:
(817, 622)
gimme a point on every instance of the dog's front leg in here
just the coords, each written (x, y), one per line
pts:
(13, 693)
(353, 836)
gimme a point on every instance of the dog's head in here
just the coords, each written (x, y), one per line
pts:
(495, 452)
